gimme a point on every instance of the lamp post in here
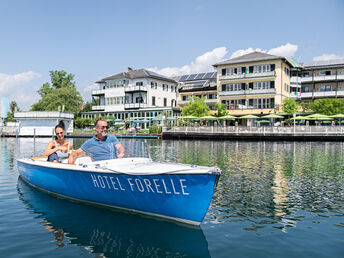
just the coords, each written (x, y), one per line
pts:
(294, 115)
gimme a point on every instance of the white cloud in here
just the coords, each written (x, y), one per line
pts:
(241, 52)
(15, 87)
(288, 50)
(86, 93)
(202, 63)
(326, 57)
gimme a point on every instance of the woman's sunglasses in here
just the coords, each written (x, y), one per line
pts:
(59, 133)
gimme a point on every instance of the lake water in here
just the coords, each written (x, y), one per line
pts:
(274, 199)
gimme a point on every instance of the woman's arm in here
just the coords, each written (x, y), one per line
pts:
(50, 149)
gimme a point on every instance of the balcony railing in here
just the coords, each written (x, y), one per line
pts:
(98, 92)
(247, 92)
(97, 108)
(135, 105)
(210, 101)
(135, 88)
(318, 94)
(322, 78)
(244, 76)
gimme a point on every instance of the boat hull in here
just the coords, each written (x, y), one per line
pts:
(181, 197)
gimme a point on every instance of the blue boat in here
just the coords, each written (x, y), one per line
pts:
(169, 190)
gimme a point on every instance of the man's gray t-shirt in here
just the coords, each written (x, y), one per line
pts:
(101, 150)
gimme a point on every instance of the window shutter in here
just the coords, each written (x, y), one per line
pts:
(243, 86)
(223, 72)
(223, 87)
(272, 103)
(251, 69)
(272, 85)
(272, 67)
(250, 85)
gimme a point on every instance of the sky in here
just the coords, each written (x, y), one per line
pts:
(95, 39)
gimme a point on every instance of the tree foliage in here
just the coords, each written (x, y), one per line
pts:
(328, 106)
(289, 106)
(195, 107)
(61, 92)
(221, 109)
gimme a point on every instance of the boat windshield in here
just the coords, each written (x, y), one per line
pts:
(136, 148)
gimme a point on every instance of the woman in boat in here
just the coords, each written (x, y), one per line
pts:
(59, 148)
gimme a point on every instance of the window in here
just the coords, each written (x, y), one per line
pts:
(305, 89)
(262, 85)
(262, 68)
(139, 83)
(153, 101)
(323, 73)
(261, 103)
(325, 87)
(233, 87)
(165, 102)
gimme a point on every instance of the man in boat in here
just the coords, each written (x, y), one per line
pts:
(102, 146)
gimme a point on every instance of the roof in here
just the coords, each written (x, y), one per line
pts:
(324, 63)
(294, 63)
(251, 57)
(196, 77)
(135, 74)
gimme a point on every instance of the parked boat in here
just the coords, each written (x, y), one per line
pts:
(170, 190)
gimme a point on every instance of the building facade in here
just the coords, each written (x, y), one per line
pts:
(318, 80)
(134, 95)
(202, 85)
(255, 83)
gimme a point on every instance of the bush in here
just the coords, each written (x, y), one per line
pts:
(153, 129)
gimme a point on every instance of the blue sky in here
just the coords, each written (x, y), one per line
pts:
(95, 39)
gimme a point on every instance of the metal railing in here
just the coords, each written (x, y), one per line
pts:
(272, 130)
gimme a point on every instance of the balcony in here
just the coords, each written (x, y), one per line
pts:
(135, 105)
(318, 94)
(98, 108)
(98, 92)
(134, 88)
(210, 101)
(322, 78)
(247, 92)
(246, 76)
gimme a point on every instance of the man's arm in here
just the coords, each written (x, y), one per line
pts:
(120, 150)
(75, 154)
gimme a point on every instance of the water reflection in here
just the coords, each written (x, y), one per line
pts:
(111, 233)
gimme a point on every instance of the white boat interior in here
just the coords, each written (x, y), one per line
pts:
(132, 166)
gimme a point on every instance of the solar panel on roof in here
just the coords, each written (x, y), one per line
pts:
(208, 75)
(199, 76)
(183, 78)
(192, 77)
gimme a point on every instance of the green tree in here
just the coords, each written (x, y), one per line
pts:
(14, 107)
(289, 106)
(328, 106)
(87, 107)
(61, 92)
(195, 107)
(221, 109)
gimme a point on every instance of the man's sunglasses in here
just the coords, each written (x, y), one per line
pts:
(103, 127)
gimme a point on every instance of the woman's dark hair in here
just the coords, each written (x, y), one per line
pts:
(60, 125)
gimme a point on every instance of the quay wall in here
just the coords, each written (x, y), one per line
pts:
(298, 133)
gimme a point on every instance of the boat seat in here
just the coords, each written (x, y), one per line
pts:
(83, 160)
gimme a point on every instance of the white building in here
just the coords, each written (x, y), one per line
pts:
(136, 94)
(42, 123)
